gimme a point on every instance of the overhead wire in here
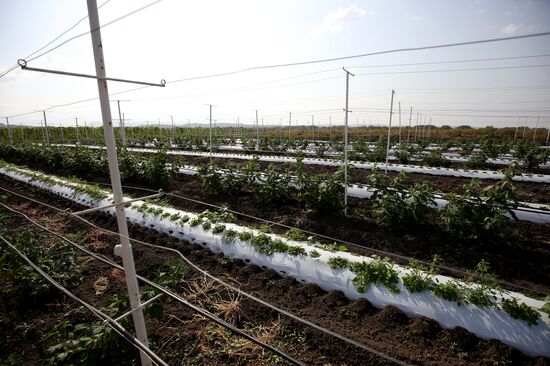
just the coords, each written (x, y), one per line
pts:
(52, 41)
(98, 313)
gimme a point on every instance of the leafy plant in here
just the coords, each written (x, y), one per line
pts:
(450, 290)
(338, 262)
(379, 271)
(420, 276)
(395, 207)
(480, 213)
(521, 311)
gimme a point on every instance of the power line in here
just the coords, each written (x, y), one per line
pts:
(52, 41)
(453, 70)
(396, 50)
(453, 61)
(92, 30)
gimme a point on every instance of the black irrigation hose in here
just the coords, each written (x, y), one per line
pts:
(250, 296)
(104, 317)
(196, 309)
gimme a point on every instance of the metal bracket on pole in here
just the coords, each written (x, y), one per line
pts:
(160, 194)
(24, 66)
(143, 304)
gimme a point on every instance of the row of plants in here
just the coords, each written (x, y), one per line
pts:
(321, 193)
(478, 290)
(476, 213)
(479, 287)
(153, 170)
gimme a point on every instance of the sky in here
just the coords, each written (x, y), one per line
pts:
(176, 40)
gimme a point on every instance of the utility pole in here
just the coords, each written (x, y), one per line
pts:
(399, 123)
(46, 129)
(173, 129)
(389, 132)
(10, 136)
(517, 127)
(346, 144)
(409, 132)
(77, 132)
(210, 133)
(289, 124)
(125, 248)
(257, 133)
(121, 123)
(330, 129)
(313, 128)
(416, 126)
(536, 127)
(85, 131)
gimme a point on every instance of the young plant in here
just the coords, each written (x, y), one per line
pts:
(420, 276)
(379, 271)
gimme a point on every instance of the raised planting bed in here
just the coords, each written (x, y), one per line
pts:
(481, 174)
(518, 322)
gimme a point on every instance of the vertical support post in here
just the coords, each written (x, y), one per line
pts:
(399, 123)
(257, 133)
(289, 124)
(77, 132)
(517, 127)
(62, 137)
(43, 133)
(125, 248)
(389, 133)
(346, 143)
(46, 129)
(173, 130)
(85, 130)
(536, 128)
(416, 126)
(330, 129)
(410, 121)
(121, 124)
(210, 132)
(548, 135)
(524, 127)
(10, 136)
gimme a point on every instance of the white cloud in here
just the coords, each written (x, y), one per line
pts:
(511, 29)
(417, 18)
(334, 20)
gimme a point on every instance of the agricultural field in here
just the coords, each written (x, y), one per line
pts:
(264, 246)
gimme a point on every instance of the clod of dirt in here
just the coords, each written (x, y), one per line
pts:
(392, 315)
(425, 327)
(460, 339)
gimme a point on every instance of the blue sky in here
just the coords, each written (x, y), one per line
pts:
(177, 39)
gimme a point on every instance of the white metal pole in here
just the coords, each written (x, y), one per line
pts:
(210, 133)
(289, 124)
(399, 123)
(125, 248)
(257, 133)
(346, 144)
(536, 128)
(9, 131)
(77, 132)
(548, 135)
(46, 129)
(173, 129)
(121, 123)
(330, 129)
(524, 127)
(410, 121)
(389, 133)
